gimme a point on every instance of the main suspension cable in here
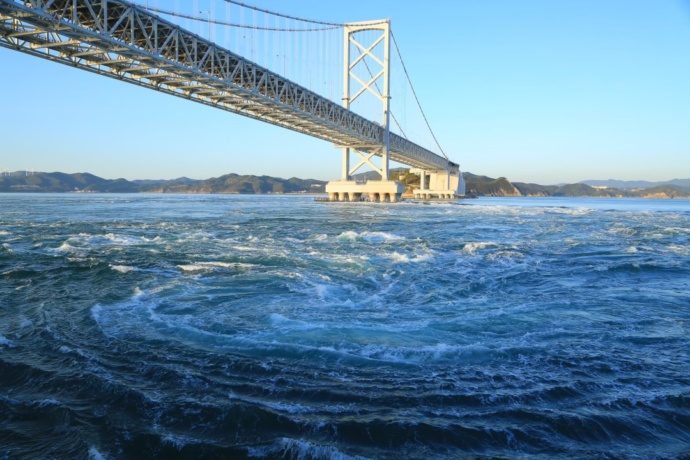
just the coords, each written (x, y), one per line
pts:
(329, 26)
(311, 21)
(242, 26)
(416, 98)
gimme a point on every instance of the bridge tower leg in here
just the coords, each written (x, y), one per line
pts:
(385, 187)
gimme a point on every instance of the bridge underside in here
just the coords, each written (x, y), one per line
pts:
(120, 40)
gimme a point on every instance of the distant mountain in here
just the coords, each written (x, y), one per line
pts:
(84, 182)
(234, 183)
(580, 189)
(487, 186)
(626, 184)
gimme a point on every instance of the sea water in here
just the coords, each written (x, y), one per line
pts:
(236, 326)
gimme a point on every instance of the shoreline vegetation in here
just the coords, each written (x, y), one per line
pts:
(476, 185)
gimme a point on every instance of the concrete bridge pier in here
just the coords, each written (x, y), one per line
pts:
(376, 191)
(440, 183)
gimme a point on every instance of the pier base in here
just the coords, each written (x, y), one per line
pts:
(375, 191)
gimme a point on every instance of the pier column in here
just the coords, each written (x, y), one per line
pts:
(346, 164)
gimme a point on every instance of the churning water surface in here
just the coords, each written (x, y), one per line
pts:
(211, 326)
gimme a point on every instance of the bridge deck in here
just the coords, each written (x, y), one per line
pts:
(120, 40)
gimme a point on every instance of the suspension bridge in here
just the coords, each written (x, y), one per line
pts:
(260, 75)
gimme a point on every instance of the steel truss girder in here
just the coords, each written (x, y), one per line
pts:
(118, 39)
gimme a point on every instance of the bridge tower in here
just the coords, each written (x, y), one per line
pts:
(385, 189)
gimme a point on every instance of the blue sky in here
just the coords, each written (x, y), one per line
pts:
(536, 91)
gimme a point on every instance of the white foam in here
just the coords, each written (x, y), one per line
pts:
(5, 341)
(129, 240)
(206, 266)
(299, 449)
(192, 268)
(376, 237)
(85, 241)
(4, 232)
(676, 230)
(288, 408)
(399, 257)
(505, 255)
(94, 454)
(96, 311)
(679, 249)
(348, 235)
(472, 247)
(8, 248)
(404, 258)
(372, 237)
(80, 259)
(284, 322)
(216, 264)
(66, 247)
(176, 440)
(321, 290)
(47, 402)
(424, 353)
(122, 268)
(244, 248)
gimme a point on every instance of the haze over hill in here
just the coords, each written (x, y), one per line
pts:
(476, 185)
(613, 183)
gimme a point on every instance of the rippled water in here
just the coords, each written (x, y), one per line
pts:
(162, 326)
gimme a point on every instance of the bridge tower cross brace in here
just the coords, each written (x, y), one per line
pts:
(371, 86)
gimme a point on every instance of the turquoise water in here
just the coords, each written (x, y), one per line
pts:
(211, 326)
